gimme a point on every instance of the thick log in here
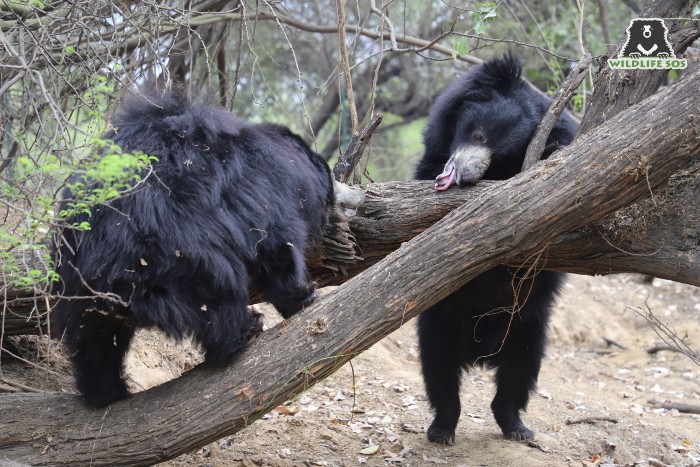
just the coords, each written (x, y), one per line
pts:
(555, 197)
(659, 236)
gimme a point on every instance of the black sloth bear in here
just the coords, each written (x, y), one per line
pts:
(479, 128)
(228, 206)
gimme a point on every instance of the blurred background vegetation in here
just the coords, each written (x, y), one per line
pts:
(64, 65)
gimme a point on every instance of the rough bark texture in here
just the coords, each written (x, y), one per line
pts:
(559, 196)
(659, 236)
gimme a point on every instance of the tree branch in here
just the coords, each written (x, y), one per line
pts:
(110, 48)
(207, 404)
(344, 65)
(660, 237)
(356, 147)
(562, 97)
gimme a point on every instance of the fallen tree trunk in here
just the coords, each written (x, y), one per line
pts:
(660, 237)
(206, 404)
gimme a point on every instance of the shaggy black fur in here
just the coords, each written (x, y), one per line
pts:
(229, 205)
(479, 127)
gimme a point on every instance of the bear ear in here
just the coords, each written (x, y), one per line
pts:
(501, 74)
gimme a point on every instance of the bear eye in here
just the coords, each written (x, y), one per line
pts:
(478, 137)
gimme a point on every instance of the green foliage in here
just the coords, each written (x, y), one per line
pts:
(14, 272)
(52, 156)
(103, 180)
(98, 181)
(483, 15)
(672, 76)
(578, 102)
(460, 47)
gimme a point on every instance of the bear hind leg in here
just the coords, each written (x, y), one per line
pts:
(516, 376)
(226, 329)
(98, 345)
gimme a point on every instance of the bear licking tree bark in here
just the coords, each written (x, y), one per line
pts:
(479, 128)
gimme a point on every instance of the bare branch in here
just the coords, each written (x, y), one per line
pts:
(666, 333)
(385, 20)
(679, 406)
(591, 419)
(358, 143)
(556, 107)
(344, 64)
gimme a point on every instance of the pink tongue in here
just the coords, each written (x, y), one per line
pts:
(446, 179)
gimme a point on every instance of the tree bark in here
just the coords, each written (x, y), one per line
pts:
(659, 237)
(532, 209)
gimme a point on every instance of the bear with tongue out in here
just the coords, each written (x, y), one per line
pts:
(479, 129)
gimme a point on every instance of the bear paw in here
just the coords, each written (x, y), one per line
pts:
(441, 435)
(519, 432)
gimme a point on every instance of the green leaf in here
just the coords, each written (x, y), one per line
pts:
(460, 47)
(483, 15)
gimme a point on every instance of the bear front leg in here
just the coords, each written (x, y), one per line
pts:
(439, 340)
(285, 284)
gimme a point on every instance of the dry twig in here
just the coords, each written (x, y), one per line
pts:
(591, 420)
(559, 102)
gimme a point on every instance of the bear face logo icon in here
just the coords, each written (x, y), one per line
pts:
(647, 37)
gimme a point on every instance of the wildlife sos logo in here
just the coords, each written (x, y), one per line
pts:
(647, 47)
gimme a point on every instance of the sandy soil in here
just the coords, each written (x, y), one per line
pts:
(597, 366)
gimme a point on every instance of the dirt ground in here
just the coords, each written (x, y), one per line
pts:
(597, 369)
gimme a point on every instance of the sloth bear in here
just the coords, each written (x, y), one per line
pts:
(479, 128)
(228, 206)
